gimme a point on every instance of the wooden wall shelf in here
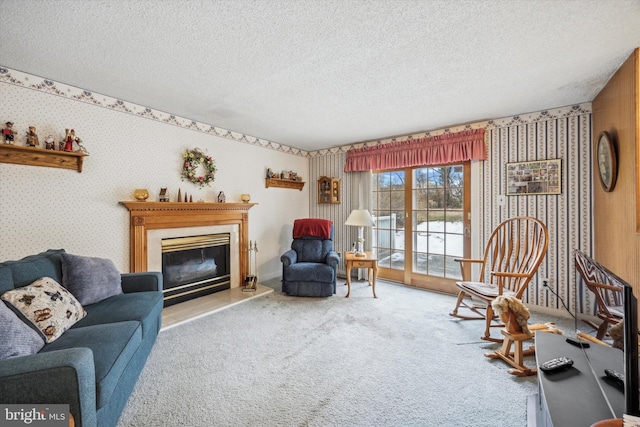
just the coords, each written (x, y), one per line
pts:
(18, 155)
(284, 183)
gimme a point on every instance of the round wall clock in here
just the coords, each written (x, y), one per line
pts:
(607, 161)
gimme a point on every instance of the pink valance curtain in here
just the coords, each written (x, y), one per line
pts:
(434, 150)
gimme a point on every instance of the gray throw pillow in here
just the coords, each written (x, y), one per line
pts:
(89, 279)
(16, 337)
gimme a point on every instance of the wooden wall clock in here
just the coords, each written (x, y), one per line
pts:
(607, 161)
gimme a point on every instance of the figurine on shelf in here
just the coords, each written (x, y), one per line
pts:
(221, 197)
(8, 133)
(32, 138)
(163, 197)
(69, 139)
(49, 143)
(81, 147)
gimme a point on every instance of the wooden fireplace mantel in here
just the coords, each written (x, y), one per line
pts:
(145, 216)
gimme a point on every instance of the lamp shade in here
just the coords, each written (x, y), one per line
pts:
(360, 218)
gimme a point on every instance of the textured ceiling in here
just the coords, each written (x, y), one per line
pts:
(318, 74)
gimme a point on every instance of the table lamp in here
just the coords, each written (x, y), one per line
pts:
(360, 218)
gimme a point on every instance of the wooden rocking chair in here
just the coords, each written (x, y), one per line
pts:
(606, 289)
(512, 256)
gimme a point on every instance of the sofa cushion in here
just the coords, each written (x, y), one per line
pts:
(113, 345)
(31, 268)
(144, 307)
(309, 272)
(90, 279)
(47, 305)
(16, 337)
(6, 279)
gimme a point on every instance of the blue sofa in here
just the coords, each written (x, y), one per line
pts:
(94, 365)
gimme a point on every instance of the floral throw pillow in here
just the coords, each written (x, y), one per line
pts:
(46, 304)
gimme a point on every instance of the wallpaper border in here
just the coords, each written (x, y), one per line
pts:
(41, 84)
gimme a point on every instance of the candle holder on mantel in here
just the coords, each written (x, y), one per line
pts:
(141, 194)
(251, 281)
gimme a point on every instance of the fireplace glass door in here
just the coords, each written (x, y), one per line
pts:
(195, 266)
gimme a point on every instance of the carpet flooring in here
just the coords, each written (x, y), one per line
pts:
(398, 360)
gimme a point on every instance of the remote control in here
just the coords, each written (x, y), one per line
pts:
(578, 343)
(616, 377)
(556, 364)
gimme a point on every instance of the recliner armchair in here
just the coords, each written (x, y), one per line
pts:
(310, 267)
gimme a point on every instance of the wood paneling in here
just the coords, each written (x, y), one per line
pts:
(616, 238)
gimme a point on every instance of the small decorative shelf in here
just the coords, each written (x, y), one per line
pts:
(284, 183)
(328, 190)
(40, 157)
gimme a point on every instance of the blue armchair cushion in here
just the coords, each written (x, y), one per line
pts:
(309, 272)
(312, 250)
(90, 279)
(16, 337)
(47, 305)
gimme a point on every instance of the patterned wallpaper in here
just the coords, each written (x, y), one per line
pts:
(563, 133)
(42, 208)
(133, 146)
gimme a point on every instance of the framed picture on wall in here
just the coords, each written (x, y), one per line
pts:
(537, 177)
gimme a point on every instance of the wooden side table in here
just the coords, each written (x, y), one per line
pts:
(369, 261)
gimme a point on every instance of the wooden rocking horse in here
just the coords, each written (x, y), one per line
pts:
(515, 316)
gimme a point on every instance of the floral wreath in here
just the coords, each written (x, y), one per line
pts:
(193, 159)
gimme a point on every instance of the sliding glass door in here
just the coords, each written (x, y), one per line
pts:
(422, 224)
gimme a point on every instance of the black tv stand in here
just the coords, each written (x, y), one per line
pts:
(572, 397)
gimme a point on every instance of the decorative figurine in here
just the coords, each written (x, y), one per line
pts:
(221, 197)
(69, 139)
(81, 147)
(32, 138)
(8, 133)
(49, 143)
(164, 197)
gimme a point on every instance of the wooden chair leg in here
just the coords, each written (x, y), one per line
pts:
(461, 303)
(461, 296)
(487, 330)
(516, 357)
(602, 330)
